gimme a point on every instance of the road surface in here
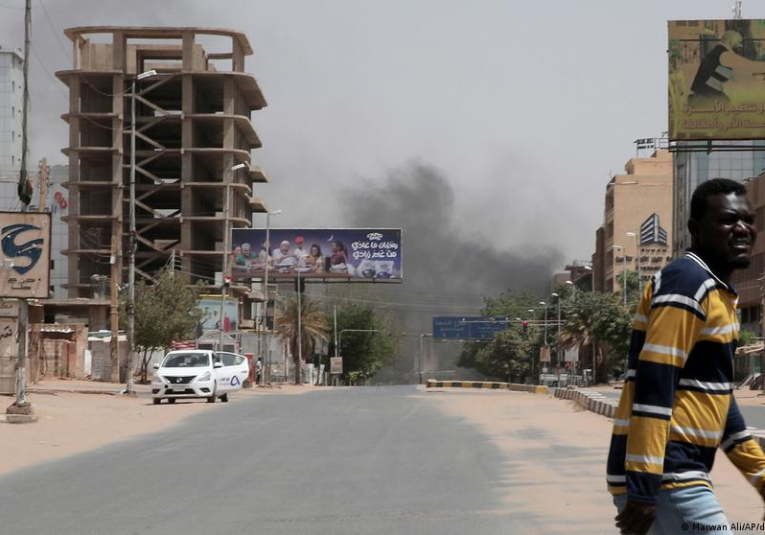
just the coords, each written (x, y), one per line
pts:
(341, 461)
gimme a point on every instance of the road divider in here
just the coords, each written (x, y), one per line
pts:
(591, 400)
(594, 401)
(488, 385)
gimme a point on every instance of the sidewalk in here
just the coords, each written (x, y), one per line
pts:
(83, 387)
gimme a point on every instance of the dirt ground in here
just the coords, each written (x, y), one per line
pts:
(557, 460)
(72, 421)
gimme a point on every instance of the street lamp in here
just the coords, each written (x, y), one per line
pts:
(265, 342)
(637, 259)
(129, 386)
(557, 330)
(545, 305)
(624, 280)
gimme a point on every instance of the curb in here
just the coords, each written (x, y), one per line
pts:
(488, 385)
(590, 400)
(599, 404)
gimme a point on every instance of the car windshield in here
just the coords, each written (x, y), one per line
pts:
(186, 360)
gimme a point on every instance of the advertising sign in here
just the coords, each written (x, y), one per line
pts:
(467, 327)
(24, 254)
(544, 354)
(336, 365)
(210, 307)
(716, 79)
(351, 254)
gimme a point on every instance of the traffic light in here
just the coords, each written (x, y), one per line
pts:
(525, 328)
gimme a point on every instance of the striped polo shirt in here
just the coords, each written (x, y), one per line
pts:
(677, 406)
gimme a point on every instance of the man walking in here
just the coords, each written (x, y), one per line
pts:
(677, 406)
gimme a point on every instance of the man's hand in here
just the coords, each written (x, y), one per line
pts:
(636, 518)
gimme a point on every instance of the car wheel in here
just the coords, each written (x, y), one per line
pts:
(156, 401)
(224, 398)
(211, 399)
(171, 400)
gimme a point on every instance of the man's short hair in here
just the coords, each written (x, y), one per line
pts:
(716, 186)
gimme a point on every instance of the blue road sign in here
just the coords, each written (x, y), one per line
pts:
(467, 327)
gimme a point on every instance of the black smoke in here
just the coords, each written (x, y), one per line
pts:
(442, 252)
(449, 266)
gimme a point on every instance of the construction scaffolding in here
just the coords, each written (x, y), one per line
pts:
(192, 133)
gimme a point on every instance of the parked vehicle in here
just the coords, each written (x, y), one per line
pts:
(239, 366)
(195, 373)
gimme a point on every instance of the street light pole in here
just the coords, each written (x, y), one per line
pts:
(637, 260)
(266, 342)
(129, 383)
(557, 331)
(624, 275)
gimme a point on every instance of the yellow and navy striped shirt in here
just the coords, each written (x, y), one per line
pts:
(677, 406)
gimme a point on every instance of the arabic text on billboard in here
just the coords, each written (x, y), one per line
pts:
(716, 79)
(467, 327)
(360, 254)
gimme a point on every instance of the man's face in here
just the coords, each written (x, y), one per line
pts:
(284, 247)
(726, 233)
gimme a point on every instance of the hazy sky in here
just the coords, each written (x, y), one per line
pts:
(526, 108)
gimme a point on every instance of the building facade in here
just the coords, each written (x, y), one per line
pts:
(194, 175)
(693, 165)
(11, 105)
(637, 230)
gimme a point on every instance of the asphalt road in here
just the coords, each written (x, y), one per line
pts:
(344, 461)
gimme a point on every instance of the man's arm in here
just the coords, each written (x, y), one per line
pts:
(743, 450)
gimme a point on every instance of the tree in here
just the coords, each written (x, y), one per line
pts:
(510, 353)
(313, 327)
(369, 343)
(598, 320)
(164, 312)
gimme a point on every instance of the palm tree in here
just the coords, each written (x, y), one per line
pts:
(313, 323)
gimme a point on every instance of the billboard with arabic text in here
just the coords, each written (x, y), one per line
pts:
(361, 255)
(716, 79)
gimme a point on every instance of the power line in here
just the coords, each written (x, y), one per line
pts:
(53, 29)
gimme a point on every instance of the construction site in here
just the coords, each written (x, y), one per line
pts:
(170, 107)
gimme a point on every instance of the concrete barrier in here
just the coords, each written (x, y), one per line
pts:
(489, 385)
(600, 404)
(589, 400)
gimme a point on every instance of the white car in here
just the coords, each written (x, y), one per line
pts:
(239, 367)
(194, 373)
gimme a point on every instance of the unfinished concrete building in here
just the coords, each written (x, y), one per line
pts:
(193, 131)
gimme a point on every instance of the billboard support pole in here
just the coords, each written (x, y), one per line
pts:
(266, 376)
(299, 364)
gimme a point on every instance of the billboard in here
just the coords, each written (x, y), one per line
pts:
(211, 316)
(346, 254)
(467, 327)
(716, 79)
(24, 254)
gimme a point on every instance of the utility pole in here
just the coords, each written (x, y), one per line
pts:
(21, 405)
(133, 244)
(114, 348)
(42, 179)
